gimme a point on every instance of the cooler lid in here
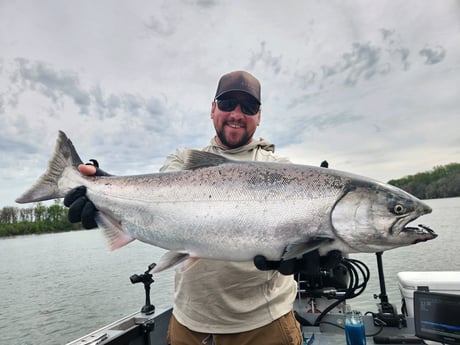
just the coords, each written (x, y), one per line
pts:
(434, 280)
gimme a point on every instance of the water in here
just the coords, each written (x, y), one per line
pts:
(57, 287)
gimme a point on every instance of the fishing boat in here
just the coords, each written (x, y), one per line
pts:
(429, 314)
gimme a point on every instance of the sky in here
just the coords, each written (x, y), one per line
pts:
(370, 86)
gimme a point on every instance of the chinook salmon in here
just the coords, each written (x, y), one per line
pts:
(232, 210)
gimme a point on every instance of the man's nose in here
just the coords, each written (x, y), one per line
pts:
(237, 112)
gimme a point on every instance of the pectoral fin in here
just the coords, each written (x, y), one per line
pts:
(296, 250)
(113, 231)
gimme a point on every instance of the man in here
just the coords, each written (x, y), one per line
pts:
(219, 302)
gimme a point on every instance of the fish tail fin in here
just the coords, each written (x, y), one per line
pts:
(46, 188)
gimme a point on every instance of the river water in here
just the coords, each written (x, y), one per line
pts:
(57, 287)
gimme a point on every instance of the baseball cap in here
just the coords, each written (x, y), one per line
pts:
(239, 81)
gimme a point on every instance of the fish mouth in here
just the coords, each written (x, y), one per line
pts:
(423, 232)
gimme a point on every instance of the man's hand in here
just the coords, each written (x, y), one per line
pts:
(285, 267)
(80, 207)
(309, 263)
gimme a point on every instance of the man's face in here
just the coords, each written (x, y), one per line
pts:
(234, 128)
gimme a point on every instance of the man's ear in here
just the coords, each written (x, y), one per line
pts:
(213, 108)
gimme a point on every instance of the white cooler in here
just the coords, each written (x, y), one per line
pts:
(436, 281)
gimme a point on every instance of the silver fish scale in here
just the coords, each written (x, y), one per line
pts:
(218, 205)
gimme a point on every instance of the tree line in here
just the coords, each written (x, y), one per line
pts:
(441, 182)
(37, 219)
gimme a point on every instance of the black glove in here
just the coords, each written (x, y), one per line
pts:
(80, 207)
(286, 267)
(309, 263)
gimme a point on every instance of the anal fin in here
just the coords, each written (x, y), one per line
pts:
(170, 259)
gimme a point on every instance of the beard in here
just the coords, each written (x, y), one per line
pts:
(230, 142)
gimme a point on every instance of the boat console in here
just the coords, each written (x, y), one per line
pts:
(323, 294)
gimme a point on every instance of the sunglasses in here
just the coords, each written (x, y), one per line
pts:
(250, 108)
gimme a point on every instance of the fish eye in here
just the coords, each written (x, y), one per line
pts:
(399, 209)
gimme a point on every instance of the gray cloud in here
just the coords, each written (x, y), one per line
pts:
(362, 62)
(433, 55)
(161, 26)
(326, 121)
(53, 84)
(387, 34)
(302, 125)
(266, 58)
(367, 60)
(305, 79)
(206, 3)
(57, 84)
(391, 43)
(404, 56)
(11, 145)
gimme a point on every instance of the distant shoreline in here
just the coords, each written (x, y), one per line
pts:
(32, 228)
(38, 219)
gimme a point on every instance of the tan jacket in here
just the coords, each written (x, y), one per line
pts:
(229, 297)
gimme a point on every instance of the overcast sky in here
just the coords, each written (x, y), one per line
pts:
(371, 86)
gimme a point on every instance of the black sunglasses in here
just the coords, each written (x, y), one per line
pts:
(250, 108)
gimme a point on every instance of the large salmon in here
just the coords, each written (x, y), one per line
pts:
(232, 210)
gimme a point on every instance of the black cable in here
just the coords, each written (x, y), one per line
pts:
(364, 270)
(355, 287)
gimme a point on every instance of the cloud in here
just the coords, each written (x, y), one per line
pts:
(53, 84)
(361, 63)
(59, 99)
(433, 55)
(59, 85)
(369, 88)
(206, 3)
(266, 59)
(367, 60)
(162, 26)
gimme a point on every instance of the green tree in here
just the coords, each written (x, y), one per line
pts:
(35, 220)
(440, 182)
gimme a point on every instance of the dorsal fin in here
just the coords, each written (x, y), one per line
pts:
(201, 159)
